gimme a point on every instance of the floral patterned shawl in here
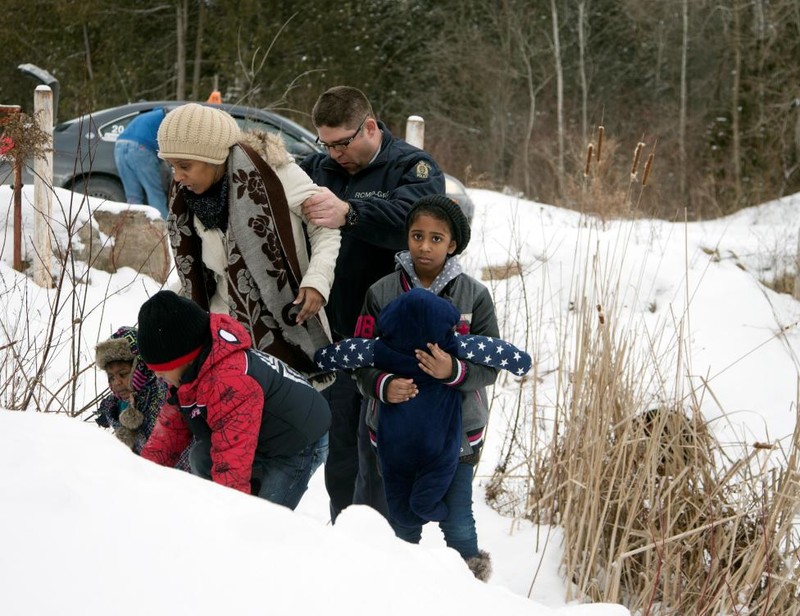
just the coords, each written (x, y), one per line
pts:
(263, 272)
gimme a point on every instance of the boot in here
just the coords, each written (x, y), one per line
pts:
(480, 565)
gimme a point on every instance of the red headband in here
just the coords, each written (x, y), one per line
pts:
(175, 363)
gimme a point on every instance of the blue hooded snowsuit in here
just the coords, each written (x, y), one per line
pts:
(419, 440)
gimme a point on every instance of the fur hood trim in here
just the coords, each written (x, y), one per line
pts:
(268, 146)
(113, 349)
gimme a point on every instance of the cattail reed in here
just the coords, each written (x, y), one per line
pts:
(647, 166)
(588, 160)
(601, 130)
(637, 155)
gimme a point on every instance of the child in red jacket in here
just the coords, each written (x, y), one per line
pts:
(259, 426)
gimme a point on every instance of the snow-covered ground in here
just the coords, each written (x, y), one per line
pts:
(87, 528)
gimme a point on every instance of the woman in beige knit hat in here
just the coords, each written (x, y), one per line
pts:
(239, 236)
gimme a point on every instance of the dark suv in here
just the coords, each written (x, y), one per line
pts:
(83, 148)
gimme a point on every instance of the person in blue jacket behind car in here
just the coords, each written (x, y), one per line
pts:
(136, 157)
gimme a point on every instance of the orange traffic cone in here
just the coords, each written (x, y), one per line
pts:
(215, 98)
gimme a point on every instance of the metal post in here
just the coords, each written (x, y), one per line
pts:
(43, 189)
(17, 215)
(48, 80)
(415, 131)
(17, 218)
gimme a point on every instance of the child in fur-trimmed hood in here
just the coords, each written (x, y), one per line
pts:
(137, 395)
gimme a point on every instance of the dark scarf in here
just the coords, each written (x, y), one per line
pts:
(210, 207)
(263, 273)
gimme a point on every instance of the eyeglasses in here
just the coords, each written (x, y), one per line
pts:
(341, 146)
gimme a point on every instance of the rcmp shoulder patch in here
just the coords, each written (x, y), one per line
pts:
(422, 169)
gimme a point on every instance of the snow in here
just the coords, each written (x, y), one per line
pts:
(743, 338)
(87, 528)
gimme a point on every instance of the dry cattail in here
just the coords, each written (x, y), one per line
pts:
(647, 166)
(601, 130)
(637, 155)
(588, 160)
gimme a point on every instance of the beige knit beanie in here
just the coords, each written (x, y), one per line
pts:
(197, 132)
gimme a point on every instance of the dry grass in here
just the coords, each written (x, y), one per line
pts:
(25, 138)
(785, 283)
(501, 272)
(654, 514)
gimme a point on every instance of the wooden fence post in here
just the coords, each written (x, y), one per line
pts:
(415, 131)
(43, 190)
(796, 288)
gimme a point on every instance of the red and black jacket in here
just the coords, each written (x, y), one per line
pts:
(243, 404)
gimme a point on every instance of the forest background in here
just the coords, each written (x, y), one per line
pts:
(512, 91)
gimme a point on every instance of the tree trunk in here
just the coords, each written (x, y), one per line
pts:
(182, 12)
(526, 163)
(582, 71)
(88, 51)
(89, 67)
(559, 94)
(684, 103)
(198, 51)
(796, 287)
(736, 138)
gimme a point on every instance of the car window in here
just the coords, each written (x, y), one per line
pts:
(111, 130)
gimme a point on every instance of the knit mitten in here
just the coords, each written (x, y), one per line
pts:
(126, 436)
(480, 565)
(131, 418)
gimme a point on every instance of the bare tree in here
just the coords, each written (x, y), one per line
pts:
(715, 80)
(198, 50)
(532, 90)
(559, 92)
(181, 28)
(736, 136)
(582, 70)
(684, 99)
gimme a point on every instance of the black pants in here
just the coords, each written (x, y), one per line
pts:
(369, 484)
(341, 467)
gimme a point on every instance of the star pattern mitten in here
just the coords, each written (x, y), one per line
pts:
(352, 353)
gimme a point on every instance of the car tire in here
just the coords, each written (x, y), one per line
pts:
(102, 188)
